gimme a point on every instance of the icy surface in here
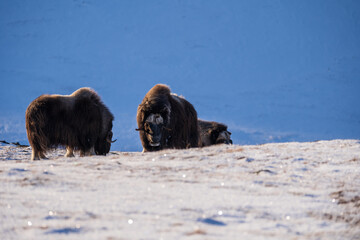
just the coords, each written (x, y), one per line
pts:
(293, 190)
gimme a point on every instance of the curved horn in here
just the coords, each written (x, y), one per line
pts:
(167, 129)
(111, 141)
(109, 137)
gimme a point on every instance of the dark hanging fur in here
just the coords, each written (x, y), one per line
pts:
(178, 120)
(79, 121)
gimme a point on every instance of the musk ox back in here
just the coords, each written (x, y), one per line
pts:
(166, 120)
(79, 121)
(213, 133)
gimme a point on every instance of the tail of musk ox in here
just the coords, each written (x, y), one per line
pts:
(79, 121)
(213, 133)
(166, 120)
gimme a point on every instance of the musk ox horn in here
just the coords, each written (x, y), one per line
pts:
(109, 137)
(167, 129)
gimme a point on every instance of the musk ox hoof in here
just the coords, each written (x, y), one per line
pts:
(33, 158)
(70, 155)
(69, 152)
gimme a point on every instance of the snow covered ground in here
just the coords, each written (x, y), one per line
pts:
(307, 190)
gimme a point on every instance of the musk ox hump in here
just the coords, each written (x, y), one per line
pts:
(159, 89)
(156, 100)
(84, 92)
(87, 93)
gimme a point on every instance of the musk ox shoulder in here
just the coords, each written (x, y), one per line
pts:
(79, 121)
(166, 120)
(213, 133)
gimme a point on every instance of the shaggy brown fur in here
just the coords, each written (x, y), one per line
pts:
(213, 133)
(79, 121)
(166, 120)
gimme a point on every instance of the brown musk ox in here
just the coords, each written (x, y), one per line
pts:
(166, 120)
(213, 133)
(79, 121)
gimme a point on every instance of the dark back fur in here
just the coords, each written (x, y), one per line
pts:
(80, 121)
(180, 119)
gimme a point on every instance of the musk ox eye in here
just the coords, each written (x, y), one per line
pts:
(110, 135)
(159, 120)
(150, 118)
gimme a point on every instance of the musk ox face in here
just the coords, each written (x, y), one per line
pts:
(103, 145)
(153, 127)
(223, 137)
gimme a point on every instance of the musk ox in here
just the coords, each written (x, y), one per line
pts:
(213, 133)
(166, 120)
(79, 121)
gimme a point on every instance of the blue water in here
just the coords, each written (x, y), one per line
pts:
(273, 71)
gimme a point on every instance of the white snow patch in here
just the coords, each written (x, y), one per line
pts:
(271, 191)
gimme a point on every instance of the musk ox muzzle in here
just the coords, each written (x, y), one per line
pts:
(224, 137)
(153, 129)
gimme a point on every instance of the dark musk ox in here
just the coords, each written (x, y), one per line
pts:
(166, 120)
(79, 121)
(213, 133)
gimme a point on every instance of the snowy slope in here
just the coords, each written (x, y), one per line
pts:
(274, 191)
(274, 71)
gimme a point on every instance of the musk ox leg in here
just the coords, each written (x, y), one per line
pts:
(69, 152)
(92, 151)
(87, 153)
(37, 155)
(42, 155)
(82, 153)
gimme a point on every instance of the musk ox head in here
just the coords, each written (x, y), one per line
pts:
(153, 120)
(222, 137)
(153, 129)
(214, 133)
(93, 104)
(103, 144)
